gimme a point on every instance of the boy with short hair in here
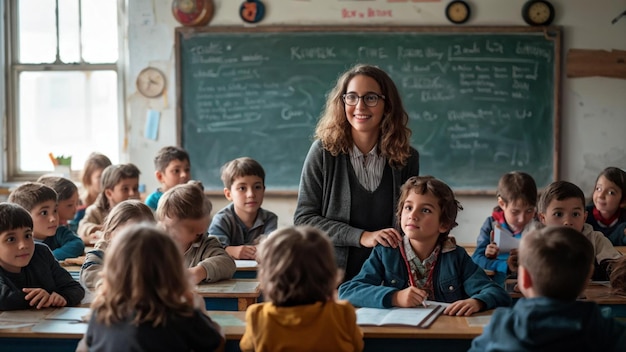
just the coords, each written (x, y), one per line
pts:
(29, 275)
(240, 223)
(517, 199)
(41, 202)
(562, 203)
(555, 264)
(172, 168)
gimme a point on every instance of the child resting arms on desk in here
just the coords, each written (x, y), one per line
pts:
(429, 265)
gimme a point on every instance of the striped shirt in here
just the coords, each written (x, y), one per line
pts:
(368, 167)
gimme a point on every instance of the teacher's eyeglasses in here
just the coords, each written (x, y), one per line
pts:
(370, 99)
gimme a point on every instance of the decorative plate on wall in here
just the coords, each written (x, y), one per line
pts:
(192, 12)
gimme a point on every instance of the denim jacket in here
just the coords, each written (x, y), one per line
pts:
(455, 277)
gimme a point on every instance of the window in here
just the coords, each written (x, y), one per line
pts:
(64, 86)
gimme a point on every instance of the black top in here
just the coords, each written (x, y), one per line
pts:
(43, 271)
(370, 211)
(180, 333)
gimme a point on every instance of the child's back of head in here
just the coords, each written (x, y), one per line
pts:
(125, 213)
(143, 278)
(559, 261)
(297, 267)
(30, 194)
(517, 186)
(241, 167)
(186, 201)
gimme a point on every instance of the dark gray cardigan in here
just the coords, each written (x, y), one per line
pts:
(324, 196)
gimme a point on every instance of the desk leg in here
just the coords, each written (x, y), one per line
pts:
(244, 303)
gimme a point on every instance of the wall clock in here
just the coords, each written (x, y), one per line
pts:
(151, 82)
(458, 12)
(538, 12)
(192, 12)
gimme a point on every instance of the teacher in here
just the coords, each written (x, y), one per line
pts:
(353, 171)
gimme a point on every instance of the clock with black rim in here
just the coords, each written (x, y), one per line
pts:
(458, 12)
(538, 12)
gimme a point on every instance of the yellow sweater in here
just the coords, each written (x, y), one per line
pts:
(322, 326)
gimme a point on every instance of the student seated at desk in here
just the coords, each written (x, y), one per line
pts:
(607, 213)
(172, 168)
(184, 211)
(125, 213)
(429, 265)
(119, 183)
(562, 203)
(515, 212)
(555, 264)
(30, 276)
(41, 202)
(243, 221)
(145, 302)
(298, 275)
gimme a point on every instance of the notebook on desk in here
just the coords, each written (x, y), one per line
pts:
(421, 317)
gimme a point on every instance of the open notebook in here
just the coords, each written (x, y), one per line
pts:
(421, 317)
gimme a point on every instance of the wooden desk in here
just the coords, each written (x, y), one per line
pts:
(448, 333)
(600, 293)
(621, 249)
(470, 248)
(74, 270)
(234, 294)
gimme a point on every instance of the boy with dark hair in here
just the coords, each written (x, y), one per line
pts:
(555, 264)
(29, 275)
(562, 203)
(172, 168)
(41, 202)
(240, 223)
(515, 212)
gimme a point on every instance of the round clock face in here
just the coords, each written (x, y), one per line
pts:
(151, 82)
(458, 12)
(538, 13)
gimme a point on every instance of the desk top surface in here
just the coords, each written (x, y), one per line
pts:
(233, 325)
(235, 288)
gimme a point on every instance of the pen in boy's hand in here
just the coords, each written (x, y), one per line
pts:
(424, 304)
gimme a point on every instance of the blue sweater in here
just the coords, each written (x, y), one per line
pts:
(65, 244)
(544, 324)
(153, 199)
(614, 233)
(456, 277)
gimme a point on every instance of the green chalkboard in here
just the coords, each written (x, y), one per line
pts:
(481, 101)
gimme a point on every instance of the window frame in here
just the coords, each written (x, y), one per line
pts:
(13, 69)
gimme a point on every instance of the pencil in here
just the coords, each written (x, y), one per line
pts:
(54, 160)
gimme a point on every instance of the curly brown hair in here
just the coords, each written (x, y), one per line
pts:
(333, 129)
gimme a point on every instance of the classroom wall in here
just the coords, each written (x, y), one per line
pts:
(593, 109)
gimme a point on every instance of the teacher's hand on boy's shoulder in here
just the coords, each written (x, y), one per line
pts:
(410, 297)
(389, 237)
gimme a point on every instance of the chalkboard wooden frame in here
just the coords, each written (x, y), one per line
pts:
(553, 34)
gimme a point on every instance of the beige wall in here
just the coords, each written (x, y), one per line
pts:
(593, 109)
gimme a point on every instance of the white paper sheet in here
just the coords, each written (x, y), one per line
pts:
(505, 240)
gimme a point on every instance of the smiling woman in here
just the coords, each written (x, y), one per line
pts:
(353, 172)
